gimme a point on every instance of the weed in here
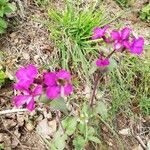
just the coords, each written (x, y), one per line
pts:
(70, 29)
(5, 8)
(145, 13)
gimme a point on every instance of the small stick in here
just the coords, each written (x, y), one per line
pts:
(12, 111)
(59, 121)
(141, 142)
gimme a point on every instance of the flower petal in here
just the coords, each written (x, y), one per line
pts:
(125, 33)
(50, 78)
(31, 105)
(31, 71)
(20, 100)
(117, 45)
(115, 35)
(63, 74)
(53, 92)
(102, 63)
(137, 46)
(68, 89)
(37, 90)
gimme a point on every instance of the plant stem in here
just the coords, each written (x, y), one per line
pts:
(109, 55)
(94, 90)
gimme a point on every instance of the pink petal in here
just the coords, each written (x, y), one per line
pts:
(53, 92)
(137, 46)
(21, 99)
(38, 90)
(126, 44)
(63, 74)
(50, 78)
(23, 84)
(31, 71)
(102, 63)
(31, 105)
(115, 35)
(20, 74)
(68, 89)
(117, 45)
(125, 33)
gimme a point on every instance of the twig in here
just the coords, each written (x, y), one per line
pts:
(59, 121)
(12, 111)
(141, 142)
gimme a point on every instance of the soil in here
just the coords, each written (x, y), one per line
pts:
(27, 41)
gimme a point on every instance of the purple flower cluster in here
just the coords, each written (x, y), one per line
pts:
(57, 84)
(121, 40)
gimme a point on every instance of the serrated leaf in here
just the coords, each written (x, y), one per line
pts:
(59, 104)
(94, 139)
(101, 108)
(70, 125)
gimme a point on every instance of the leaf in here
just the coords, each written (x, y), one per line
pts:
(2, 77)
(3, 2)
(59, 140)
(94, 139)
(59, 104)
(2, 30)
(79, 142)
(70, 125)
(3, 23)
(9, 8)
(101, 108)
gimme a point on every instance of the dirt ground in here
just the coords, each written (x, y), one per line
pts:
(27, 41)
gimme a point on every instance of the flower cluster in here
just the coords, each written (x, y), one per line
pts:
(122, 41)
(56, 83)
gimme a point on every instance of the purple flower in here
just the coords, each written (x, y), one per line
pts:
(121, 38)
(99, 32)
(137, 46)
(102, 62)
(56, 82)
(28, 98)
(25, 77)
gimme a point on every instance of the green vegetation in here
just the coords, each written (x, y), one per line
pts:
(145, 13)
(70, 29)
(125, 3)
(5, 8)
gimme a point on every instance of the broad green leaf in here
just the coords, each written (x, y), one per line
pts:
(94, 139)
(70, 125)
(3, 23)
(1, 12)
(59, 104)
(101, 108)
(2, 30)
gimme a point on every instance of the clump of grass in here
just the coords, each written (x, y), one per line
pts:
(130, 85)
(70, 30)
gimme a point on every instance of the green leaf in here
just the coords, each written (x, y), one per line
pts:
(3, 23)
(79, 142)
(101, 108)
(70, 125)
(9, 8)
(1, 12)
(2, 30)
(59, 104)
(3, 2)
(2, 77)
(94, 139)
(59, 140)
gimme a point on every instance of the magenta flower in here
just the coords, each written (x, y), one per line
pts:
(121, 38)
(56, 82)
(137, 46)
(102, 62)
(25, 77)
(99, 32)
(28, 98)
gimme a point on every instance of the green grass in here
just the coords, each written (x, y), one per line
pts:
(70, 29)
(130, 85)
(125, 3)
